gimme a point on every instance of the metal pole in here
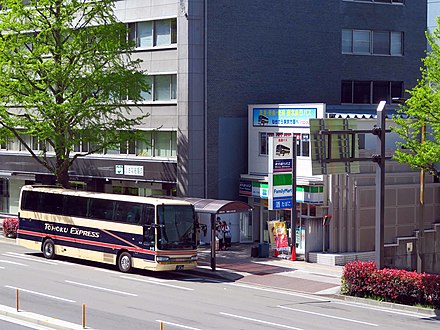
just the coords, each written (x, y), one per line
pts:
(213, 241)
(420, 222)
(380, 185)
(293, 212)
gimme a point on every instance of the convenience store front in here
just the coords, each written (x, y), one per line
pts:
(309, 213)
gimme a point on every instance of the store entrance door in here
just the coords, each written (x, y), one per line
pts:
(246, 227)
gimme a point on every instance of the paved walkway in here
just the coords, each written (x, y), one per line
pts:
(237, 264)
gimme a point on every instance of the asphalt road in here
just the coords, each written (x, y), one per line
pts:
(141, 300)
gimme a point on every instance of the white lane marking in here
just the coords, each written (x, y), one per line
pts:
(328, 316)
(289, 293)
(157, 283)
(382, 309)
(101, 288)
(23, 323)
(260, 321)
(204, 279)
(177, 325)
(40, 294)
(106, 270)
(13, 263)
(19, 256)
(2, 267)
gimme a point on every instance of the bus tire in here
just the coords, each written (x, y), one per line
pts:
(48, 249)
(124, 262)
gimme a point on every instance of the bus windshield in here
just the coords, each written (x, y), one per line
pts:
(176, 227)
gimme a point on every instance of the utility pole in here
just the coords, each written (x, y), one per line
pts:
(420, 221)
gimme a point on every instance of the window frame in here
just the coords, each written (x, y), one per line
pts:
(352, 44)
(133, 33)
(394, 89)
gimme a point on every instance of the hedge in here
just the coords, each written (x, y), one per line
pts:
(362, 279)
(10, 226)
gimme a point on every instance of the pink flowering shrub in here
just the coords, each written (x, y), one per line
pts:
(362, 279)
(10, 226)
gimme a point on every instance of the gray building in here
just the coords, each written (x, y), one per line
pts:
(209, 59)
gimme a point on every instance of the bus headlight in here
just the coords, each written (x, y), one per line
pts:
(194, 258)
(162, 259)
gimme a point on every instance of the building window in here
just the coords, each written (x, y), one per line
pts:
(366, 42)
(157, 144)
(128, 147)
(162, 88)
(305, 145)
(37, 144)
(153, 33)
(370, 92)
(263, 143)
(165, 87)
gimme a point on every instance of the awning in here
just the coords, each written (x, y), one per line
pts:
(215, 206)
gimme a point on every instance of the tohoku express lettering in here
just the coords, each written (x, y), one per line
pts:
(72, 231)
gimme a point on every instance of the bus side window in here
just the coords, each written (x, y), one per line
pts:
(30, 201)
(51, 203)
(148, 223)
(127, 212)
(101, 209)
(75, 206)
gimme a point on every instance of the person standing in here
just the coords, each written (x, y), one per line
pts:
(220, 234)
(226, 235)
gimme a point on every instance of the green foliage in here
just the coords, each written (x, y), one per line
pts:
(422, 112)
(362, 279)
(66, 66)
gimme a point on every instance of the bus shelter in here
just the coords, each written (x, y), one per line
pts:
(215, 208)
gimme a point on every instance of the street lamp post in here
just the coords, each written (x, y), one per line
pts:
(380, 185)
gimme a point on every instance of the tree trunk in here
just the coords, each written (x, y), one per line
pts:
(63, 173)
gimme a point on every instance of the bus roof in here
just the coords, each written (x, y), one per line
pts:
(127, 198)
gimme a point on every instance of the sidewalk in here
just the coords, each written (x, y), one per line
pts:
(237, 264)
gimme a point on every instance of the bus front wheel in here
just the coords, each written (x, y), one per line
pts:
(49, 249)
(124, 262)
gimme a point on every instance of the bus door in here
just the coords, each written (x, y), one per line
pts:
(149, 228)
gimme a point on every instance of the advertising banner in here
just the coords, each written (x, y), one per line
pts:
(278, 236)
(287, 117)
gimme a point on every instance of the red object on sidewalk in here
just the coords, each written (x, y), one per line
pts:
(275, 253)
(293, 257)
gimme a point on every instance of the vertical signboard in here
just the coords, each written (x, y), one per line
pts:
(280, 172)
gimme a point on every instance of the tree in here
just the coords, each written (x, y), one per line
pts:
(66, 68)
(418, 120)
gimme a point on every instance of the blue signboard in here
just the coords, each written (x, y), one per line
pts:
(245, 187)
(282, 203)
(283, 117)
(282, 165)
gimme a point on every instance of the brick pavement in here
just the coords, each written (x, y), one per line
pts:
(238, 265)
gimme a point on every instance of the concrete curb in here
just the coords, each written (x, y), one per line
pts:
(432, 312)
(38, 319)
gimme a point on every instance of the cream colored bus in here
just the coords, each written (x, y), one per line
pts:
(128, 231)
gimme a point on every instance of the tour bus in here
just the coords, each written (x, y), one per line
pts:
(127, 231)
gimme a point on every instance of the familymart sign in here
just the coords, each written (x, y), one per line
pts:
(280, 172)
